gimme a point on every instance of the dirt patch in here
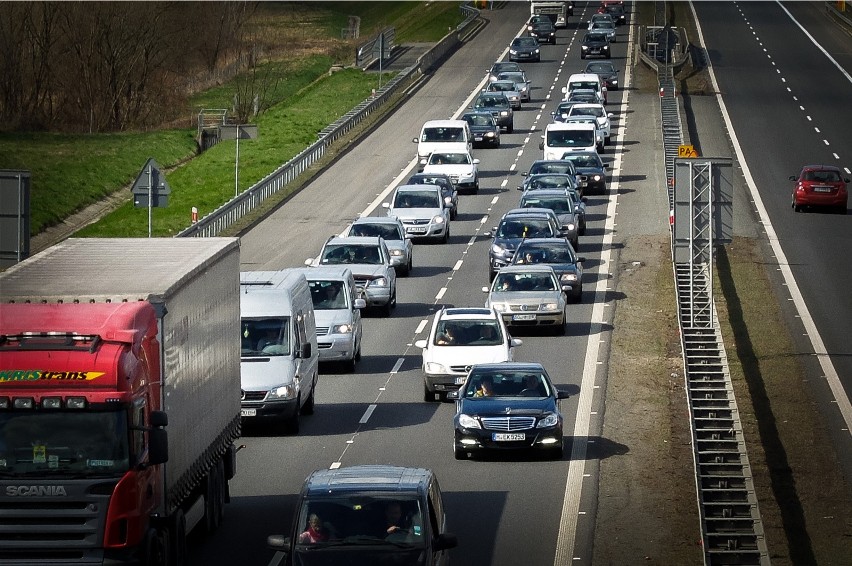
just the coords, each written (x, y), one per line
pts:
(647, 510)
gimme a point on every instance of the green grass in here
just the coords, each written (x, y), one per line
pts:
(301, 41)
(208, 180)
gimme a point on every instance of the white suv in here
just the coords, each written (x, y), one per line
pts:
(459, 338)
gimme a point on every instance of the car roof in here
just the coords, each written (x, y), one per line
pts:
(546, 192)
(467, 313)
(377, 220)
(419, 188)
(531, 212)
(568, 126)
(544, 241)
(355, 240)
(583, 77)
(526, 268)
(503, 367)
(821, 168)
(367, 478)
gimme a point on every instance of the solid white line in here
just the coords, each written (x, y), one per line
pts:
(566, 538)
(421, 326)
(367, 413)
(784, 266)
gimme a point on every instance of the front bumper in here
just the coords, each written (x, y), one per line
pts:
(425, 230)
(336, 347)
(532, 318)
(525, 56)
(443, 382)
(279, 409)
(473, 439)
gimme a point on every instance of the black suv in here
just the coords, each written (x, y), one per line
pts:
(544, 31)
(498, 105)
(366, 515)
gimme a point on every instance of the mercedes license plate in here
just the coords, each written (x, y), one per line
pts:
(477, 138)
(508, 436)
(523, 317)
(460, 380)
(248, 412)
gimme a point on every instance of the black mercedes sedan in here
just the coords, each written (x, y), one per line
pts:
(507, 406)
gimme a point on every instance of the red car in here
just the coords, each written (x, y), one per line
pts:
(820, 185)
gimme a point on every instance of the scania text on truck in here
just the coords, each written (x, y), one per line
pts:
(106, 347)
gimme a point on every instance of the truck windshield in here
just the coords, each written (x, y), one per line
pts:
(78, 443)
(265, 336)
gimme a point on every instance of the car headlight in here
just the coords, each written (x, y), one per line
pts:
(614, 81)
(585, 48)
(432, 367)
(504, 112)
(466, 421)
(570, 277)
(537, 50)
(606, 47)
(552, 419)
(437, 220)
(341, 329)
(570, 226)
(396, 253)
(283, 392)
(497, 248)
(489, 135)
(378, 282)
(499, 307)
(596, 177)
(549, 306)
(513, 52)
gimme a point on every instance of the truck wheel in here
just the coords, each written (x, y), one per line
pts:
(177, 538)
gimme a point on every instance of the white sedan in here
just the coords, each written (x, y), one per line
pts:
(599, 112)
(462, 168)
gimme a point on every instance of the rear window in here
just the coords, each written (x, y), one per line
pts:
(442, 135)
(570, 138)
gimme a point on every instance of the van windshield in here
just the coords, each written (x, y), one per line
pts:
(328, 295)
(442, 135)
(265, 336)
(571, 138)
(360, 519)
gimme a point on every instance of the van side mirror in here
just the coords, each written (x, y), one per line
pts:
(305, 351)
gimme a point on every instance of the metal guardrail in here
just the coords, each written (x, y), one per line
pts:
(732, 529)
(232, 211)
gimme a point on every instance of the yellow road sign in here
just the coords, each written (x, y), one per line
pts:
(686, 151)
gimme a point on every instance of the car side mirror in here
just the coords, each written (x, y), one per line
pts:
(452, 395)
(446, 540)
(567, 288)
(584, 199)
(279, 543)
(360, 304)
(309, 262)
(385, 205)
(520, 187)
(793, 177)
(476, 161)
(421, 344)
(562, 394)
(564, 90)
(415, 140)
(606, 165)
(541, 145)
(515, 342)
(581, 259)
(485, 289)
(610, 115)
(422, 162)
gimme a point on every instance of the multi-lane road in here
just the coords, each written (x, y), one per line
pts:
(518, 510)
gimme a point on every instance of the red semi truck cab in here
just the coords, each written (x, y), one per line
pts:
(79, 391)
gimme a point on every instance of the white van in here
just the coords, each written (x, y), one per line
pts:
(443, 135)
(337, 310)
(279, 365)
(562, 137)
(589, 81)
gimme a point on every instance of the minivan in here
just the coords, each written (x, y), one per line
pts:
(279, 355)
(367, 515)
(585, 81)
(562, 137)
(443, 135)
(337, 310)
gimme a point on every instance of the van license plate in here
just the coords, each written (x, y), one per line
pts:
(508, 436)
(248, 412)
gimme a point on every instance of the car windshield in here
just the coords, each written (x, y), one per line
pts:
(479, 119)
(559, 205)
(583, 96)
(583, 160)
(454, 332)
(449, 159)
(507, 384)
(594, 37)
(265, 336)
(526, 228)
(442, 135)
(525, 42)
(570, 138)
(602, 25)
(361, 519)
(492, 102)
(514, 77)
(541, 253)
(550, 167)
(584, 85)
(502, 86)
(343, 254)
(600, 68)
(328, 295)
(550, 181)
(417, 199)
(66, 443)
(504, 66)
(378, 229)
(595, 111)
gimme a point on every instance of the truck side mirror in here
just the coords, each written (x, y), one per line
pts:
(158, 419)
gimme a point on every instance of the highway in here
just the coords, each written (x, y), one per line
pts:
(520, 510)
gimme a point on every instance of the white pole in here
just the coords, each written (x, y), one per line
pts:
(237, 165)
(150, 197)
